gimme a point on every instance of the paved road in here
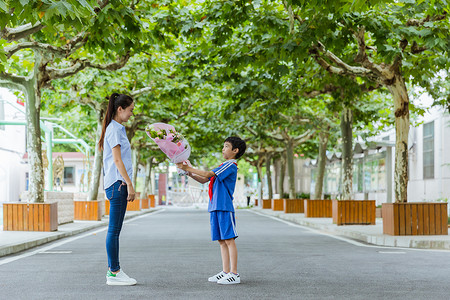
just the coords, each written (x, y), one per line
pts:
(171, 256)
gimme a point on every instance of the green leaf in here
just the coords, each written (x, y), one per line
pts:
(3, 6)
(84, 3)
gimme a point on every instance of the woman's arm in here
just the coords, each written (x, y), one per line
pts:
(121, 167)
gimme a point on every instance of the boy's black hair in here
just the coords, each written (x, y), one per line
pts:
(237, 142)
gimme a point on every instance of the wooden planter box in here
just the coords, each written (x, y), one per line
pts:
(131, 206)
(378, 213)
(256, 202)
(87, 210)
(134, 206)
(266, 203)
(353, 212)
(152, 200)
(317, 208)
(106, 207)
(294, 206)
(278, 204)
(145, 203)
(30, 216)
(415, 218)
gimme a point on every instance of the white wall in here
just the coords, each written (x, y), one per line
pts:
(420, 189)
(444, 156)
(12, 149)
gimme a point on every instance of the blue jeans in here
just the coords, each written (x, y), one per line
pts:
(117, 195)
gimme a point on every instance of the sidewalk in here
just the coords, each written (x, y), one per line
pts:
(15, 241)
(370, 234)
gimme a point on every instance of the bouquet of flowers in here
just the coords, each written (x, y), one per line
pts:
(171, 142)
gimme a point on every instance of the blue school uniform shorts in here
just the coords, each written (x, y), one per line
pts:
(223, 225)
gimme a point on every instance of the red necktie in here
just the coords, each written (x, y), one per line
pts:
(211, 184)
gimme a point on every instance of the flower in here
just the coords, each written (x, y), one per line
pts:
(163, 134)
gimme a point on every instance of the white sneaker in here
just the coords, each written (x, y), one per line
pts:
(119, 279)
(230, 278)
(217, 277)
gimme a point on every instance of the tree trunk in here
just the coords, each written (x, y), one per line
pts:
(276, 176)
(147, 179)
(282, 174)
(260, 177)
(135, 159)
(401, 110)
(321, 162)
(269, 175)
(34, 142)
(98, 161)
(347, 153)
(290, 165)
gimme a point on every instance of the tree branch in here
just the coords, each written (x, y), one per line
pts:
(288, 8)
(20, 32)
(374, 73)
(276, 137)
(34, 45)
(304, 137)
(324, 64)
(416, 49)
(75, 43)
(84, 63)
(184, 113)
(362, 56)
(295, 119)
(328, 89)
(364, 88)
(251, 131)
(415, 22)
(12, 81)
(139, 92)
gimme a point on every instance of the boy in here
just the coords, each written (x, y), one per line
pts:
(222, 181)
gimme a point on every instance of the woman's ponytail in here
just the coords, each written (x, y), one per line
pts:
(115, 100)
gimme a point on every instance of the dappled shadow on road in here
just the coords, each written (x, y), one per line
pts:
(171, 255)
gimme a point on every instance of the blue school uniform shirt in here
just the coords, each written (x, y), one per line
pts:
(115, 134)
(223, 186)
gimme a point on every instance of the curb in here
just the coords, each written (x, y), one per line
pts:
(435, 242)
(56, 235)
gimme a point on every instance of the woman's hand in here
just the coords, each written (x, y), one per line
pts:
(182, 166)
(131, 192)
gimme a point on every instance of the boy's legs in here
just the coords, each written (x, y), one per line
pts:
(225, 256)
(232, 254)
(223, 230)
(229, 254)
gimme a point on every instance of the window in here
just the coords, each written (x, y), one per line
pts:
(428, 150)
(69, 175)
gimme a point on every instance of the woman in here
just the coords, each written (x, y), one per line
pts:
(117, 174)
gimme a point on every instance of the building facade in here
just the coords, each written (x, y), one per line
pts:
(14, 168)
(429, 164)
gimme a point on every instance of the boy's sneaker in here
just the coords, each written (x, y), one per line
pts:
(119, 279)
(217, 277)
(230, 278)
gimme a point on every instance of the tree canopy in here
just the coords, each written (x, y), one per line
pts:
(277, 73)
